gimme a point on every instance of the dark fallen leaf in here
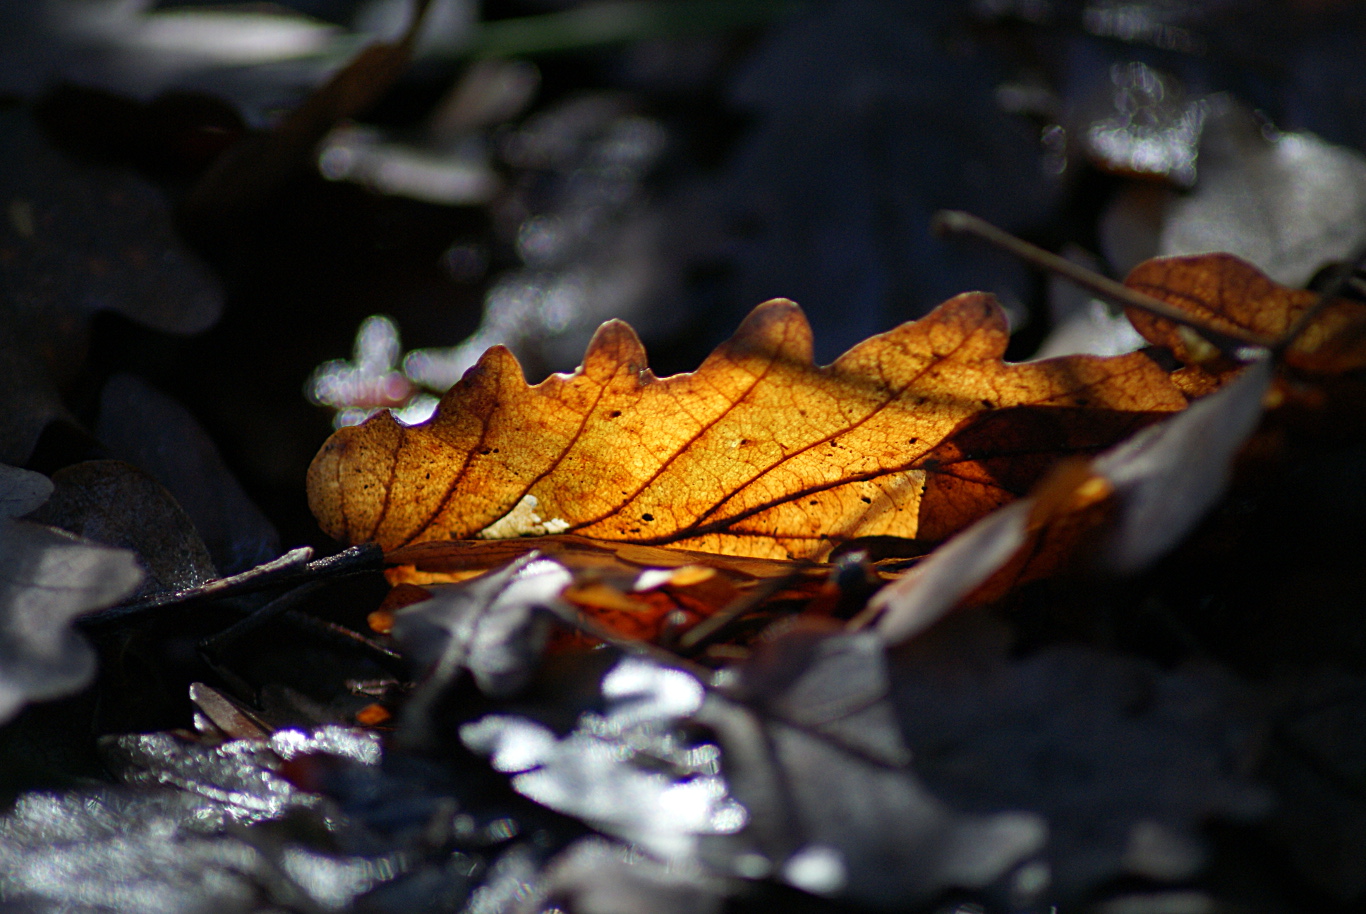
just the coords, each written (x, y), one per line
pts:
(148, 429)
(78, 238)
(47, 579)
(836, 685)
(21, 491)
(1316, 763)
(217, 716)
(117, 504)
(1126, 762)
(832, 807)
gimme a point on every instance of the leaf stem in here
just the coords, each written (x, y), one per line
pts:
(956, 222)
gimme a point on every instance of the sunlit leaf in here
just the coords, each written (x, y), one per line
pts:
(757, 453)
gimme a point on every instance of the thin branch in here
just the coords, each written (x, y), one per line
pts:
(954, 222)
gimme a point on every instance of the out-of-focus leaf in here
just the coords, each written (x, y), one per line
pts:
(492, 626)
(1291, 203)
(21, 491)
(1169, 475)
(595, 877)
(1126, 762)
(114, 503)
(447, 177)
(114, 849)
(625, 771)
(75, 239)
(48, 578)
(757, 453)
(248, 173)
(240, 776)
(1123, 510)
(847, 820)
(261, 60)
(155, 433)
(1224, 292)
(1148, 127)
(189, 831)
(840, 816)
(954, 570)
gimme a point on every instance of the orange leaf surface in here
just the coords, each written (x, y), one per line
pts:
(757, 453)
(1226, 293)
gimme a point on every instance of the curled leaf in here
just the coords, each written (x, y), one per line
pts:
(757, 453)
(1226, 293)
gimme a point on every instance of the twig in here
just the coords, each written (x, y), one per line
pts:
(719, 622)
(214, 643)
(291, 568)
(955, 222)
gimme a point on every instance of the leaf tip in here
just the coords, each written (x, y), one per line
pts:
(614, 345)
(778, 327)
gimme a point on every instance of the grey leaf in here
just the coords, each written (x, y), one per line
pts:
(47, 579)
(21, 490)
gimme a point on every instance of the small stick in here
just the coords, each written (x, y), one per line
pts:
(712, 627)
(292, 567)
(288, 600)
(955, 222)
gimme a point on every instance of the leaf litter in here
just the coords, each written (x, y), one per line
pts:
(999, 745)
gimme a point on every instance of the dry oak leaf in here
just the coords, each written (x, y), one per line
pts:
(1226, 293)
(757, 453)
